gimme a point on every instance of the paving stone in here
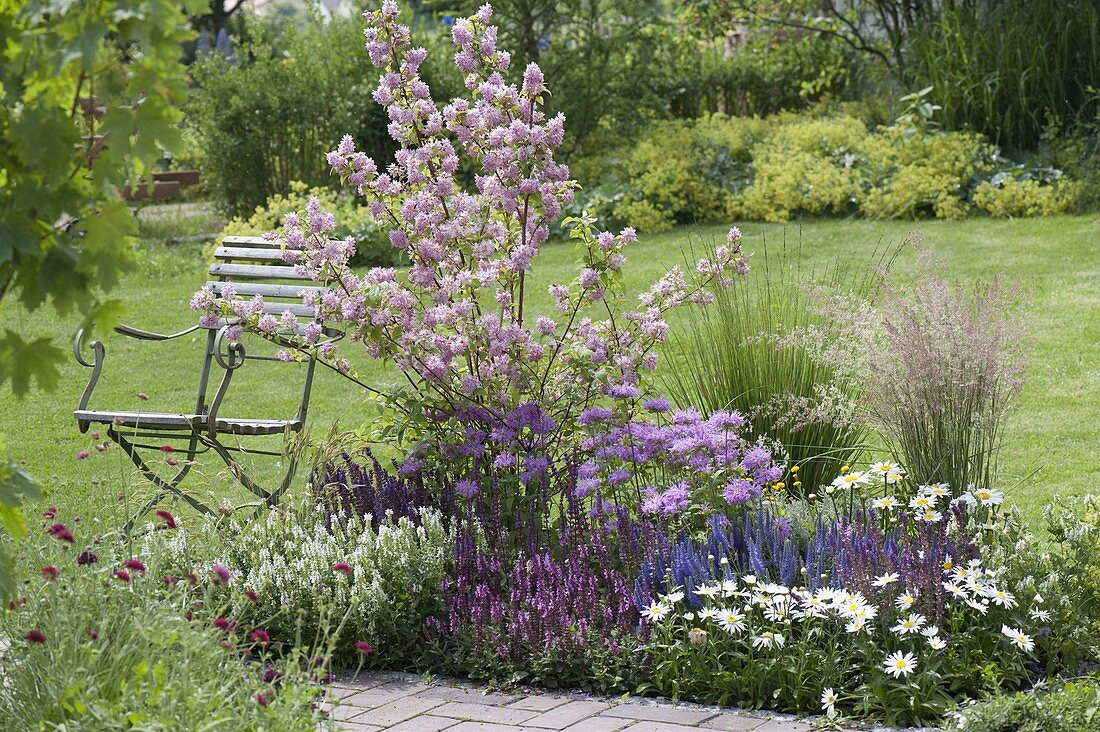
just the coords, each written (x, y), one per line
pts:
(733, 723)
(599, 724)
(342, 713)
(484, 727)
(423, 723)
(339, 691)
(652, 726)
(783, 725)
(375, 697)
(566, 715)
(483, 713)
(470, 695)
(404, 708)
(538, 703)
(654, 713)
(353, 727)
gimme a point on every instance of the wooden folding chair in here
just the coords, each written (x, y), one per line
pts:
(254, 266)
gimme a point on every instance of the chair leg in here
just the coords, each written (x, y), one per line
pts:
(164, 486)
(268, 498)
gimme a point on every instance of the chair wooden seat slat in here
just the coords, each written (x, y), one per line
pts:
(256, 271)
(251, 254)
(203, 427)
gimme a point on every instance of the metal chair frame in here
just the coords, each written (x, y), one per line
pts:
(203, 429)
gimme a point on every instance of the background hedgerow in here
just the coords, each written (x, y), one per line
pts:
(1070, 707)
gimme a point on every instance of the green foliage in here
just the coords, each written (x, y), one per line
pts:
(63, 231)
(1072, 707)
(142, 653)
(807, 164)
(372, 246)
(1003, 67)
(265, 117)
(1074, 525)
(772, 72)
(16, 485)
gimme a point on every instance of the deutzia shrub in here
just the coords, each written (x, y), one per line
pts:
(495, 390)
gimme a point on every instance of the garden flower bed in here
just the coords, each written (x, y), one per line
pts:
(530, 509)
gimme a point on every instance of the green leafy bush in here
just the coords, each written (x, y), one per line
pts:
(795, 164)
(1073, 707)
(372, 244)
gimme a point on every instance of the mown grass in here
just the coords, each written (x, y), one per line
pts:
(1050, 444)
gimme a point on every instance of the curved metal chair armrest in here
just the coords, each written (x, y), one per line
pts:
(146, 335)
(99, 354)
(231, 361)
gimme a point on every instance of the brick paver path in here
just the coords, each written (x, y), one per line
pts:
(405, 703)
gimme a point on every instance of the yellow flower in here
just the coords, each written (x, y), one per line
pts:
(794, 470)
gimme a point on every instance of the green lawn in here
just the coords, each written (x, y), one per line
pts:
(1055, 431)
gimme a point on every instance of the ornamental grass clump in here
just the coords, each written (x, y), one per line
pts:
(494, 390)
(945, 377)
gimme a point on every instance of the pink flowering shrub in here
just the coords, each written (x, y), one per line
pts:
(494, 389)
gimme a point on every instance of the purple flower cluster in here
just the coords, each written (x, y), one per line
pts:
(674, 460)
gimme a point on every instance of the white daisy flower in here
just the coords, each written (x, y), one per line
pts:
(955, 590)
(911, 624)
(887, 579)
(905, 601)
(884, 467)
(856, 625)
(930, 631)
(894, 478)
(936, 489)
(898, 664)
(828, 701)
(674, 597)
(707, 590)
(886, 503)
(989, 497)
(708, 613)
(1002, 598)
(923, 502)
(656, 611)
(1039, 614)
(937, 643)
(768, 639)
(932, 517)
(731, 621)
(1018, 638)
(850, 479)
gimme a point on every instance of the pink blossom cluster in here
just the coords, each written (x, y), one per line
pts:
(455, 323)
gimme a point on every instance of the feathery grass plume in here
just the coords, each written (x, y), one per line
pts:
(768, 349)
(951, 365)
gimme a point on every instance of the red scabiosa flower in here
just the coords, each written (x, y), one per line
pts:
(49, 572)
(172, 461)
(363, 647)
(135, 564)
(221, 574)
(170, 580)
(50, 512)
(261, 699)
(87, 557)
(221, 623)
(167, 448)
(123, 575)
(35, 636)
(251, 595)
(270, 675)
(92, 634)
(169, 519)
(142, 396)
(189, 616)
(342, 568)
(101, 447)
(192, 578)
(82, 454)
(260, 637)
(16, 603)
(61, 533)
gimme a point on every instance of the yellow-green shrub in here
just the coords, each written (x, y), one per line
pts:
(804, 164)
(687, 171)
(1027, 197)
(915, 171)
(372, 241)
